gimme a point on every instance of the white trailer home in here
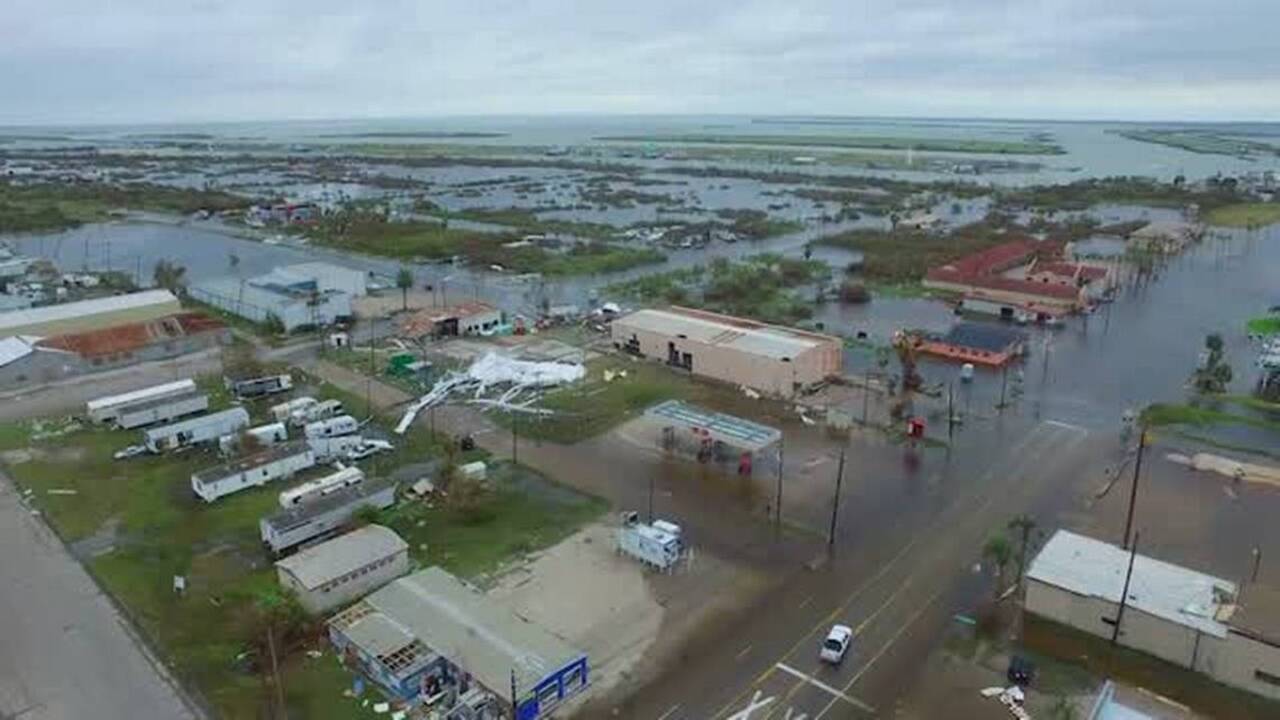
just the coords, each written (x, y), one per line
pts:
(151, 412)
(257, 387)
(265, 435)
(320, 487)
(316, 412)
(283, 411)
(105, 409)
(288, 529)
(335, 448)
(197, 430)
(256, 470)
(333, 427)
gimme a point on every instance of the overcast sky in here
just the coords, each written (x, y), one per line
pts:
(92, 61)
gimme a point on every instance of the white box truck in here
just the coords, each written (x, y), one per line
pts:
(650, 544)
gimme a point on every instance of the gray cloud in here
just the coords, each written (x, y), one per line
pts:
(84, 61)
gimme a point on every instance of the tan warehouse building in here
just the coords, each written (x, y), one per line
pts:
(1184, 617)
(772, 359)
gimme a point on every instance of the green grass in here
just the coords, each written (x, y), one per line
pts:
(902, 257)
(763, 287)
(1161, 414)
(521, 513)
(527, 221)
(1264, 325)
(594, 406)
(1202, 141)
(1002, 147)
(57, 206)
(162, 530)
(1245, 215)
(369, 233)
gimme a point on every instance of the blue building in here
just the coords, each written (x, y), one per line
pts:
(429, 637)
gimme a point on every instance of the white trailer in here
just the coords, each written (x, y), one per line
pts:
(197, 430)
(333, 427)
(265, 435)
(320, 487)
(151, 412)
(283, 411)
(105, 409)
(316, 412)
(257, 387)
(256, 470)
(655, 545)
(335, 448)
(310, 522)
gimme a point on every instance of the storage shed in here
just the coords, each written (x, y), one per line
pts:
(340, 570)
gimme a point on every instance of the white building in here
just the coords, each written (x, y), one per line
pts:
(1190, 619)
(298, 302)
(256, 470)
(89, 314)
(345, 568)
(330, 277)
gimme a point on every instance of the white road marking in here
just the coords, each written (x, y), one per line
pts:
(755, 704)
(742, 653)
(669, 712)
(836, 694)
(805, 603)
(1068, 426)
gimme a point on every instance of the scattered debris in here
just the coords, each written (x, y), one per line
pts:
(179, 584)
(1011, 697)
(492, 371)
(382, 708)
(1237, 471)
(130, 451)
(62, 491)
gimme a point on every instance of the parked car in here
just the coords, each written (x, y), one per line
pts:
(836, 644)
(1021, 671)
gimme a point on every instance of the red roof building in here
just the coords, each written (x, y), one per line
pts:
(978, 275)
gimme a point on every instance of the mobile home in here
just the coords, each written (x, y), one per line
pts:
(197, 430)
(257, 387)
(255, 470)
(318, 488)
(265, 435)
(333, 427)
(105, 409)
(152, 412)
(283, 411)
(288, 529)
(331, 448)
(315, 412)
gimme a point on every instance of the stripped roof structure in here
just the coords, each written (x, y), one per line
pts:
(133, 336)
(711, 328)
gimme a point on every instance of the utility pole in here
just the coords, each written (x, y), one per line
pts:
(373, 370)
(1133, 491)
(1004, 383)
(951, 413)
(515, 423)
(1257, 560)
(777, 517)
(275, 670)
(1124, 596)
(835, 505)
(866, 394)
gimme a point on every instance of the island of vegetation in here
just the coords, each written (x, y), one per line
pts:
(959, 145)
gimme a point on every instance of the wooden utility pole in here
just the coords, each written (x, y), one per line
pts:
(275, 671)
(1133, 491)
(835, 505)
(777, 516)
(1124, 596)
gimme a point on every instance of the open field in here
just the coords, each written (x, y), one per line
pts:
(1245, 215)
(1201, 141)
(1264, 325)
(34, 208)
(765, 287)
(372, 234)
(853, 141)
(137, 525)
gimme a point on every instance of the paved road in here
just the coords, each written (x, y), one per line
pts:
(67, 654)
(897, 582)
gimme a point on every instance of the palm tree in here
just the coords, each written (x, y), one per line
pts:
(169, 275)
(999, 552)
(404, 281)
(1022, 525)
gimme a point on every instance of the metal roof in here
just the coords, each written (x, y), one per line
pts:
(471, 630)
(733, 430)
(299, 515)
(195, 422)
(249, 462)
(771, 341)
(984, 336)
(334, 558)
(66, 311)
(13, 349)
(1093, 568)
